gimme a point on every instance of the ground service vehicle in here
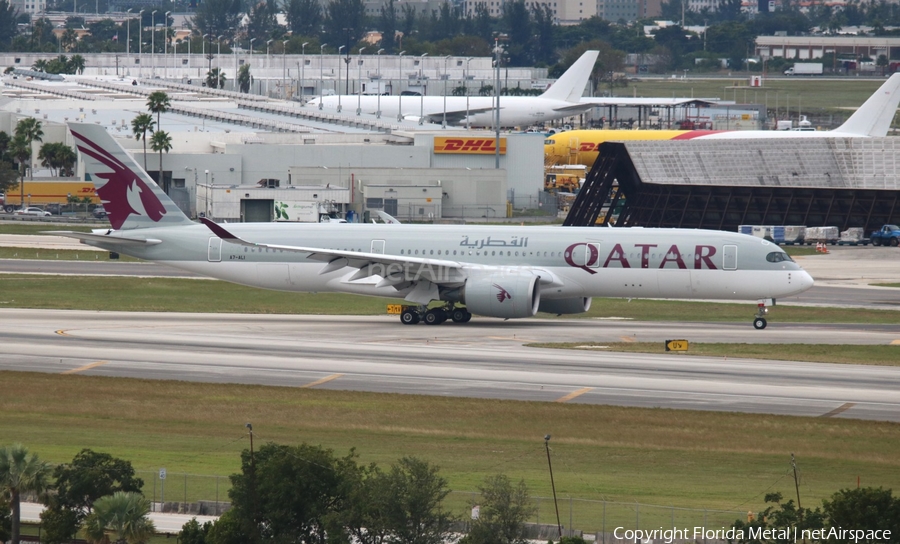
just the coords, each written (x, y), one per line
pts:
(888, 235)
(805, 69)
(45, 192)
(33, 211)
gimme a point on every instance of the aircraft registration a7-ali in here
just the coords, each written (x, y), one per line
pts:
(495, 271)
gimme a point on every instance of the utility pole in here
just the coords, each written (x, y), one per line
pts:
(552, 485)
(796, 486)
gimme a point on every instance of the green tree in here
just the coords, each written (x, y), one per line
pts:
(5, 521)
(30, 129)
(304, 17)
(415, 512)
(122, 515)
(217, 17)
(140, 126)
(504, 509)
(215, 79)
(77, 64)
(58, 157)
(88, 477)
(882, 62)
(20, 472)
(288, 494)
(8, 27)
(779, 515)
(158, 102)
(161, 141)
(20, 151)
(244, 79)
(194, 533)
(388, 25)
(345, 22)
(865, 509)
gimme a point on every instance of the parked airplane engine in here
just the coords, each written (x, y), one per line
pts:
(560, 306)
(503, 294)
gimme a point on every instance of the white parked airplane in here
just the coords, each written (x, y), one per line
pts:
(561, 100)
(497, 271)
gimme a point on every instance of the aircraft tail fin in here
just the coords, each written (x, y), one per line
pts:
(874, 117)
(570, 85)
(131, 198)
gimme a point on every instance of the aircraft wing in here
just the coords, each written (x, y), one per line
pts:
(418, 275)
(104, 238)
(574, 108)
(456, 116)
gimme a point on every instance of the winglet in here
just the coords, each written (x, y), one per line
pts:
(874, 117)
(220, 231)
(570, 85)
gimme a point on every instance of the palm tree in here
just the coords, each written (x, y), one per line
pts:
(158, 102)
(40, 65)
(30, 129)
(161, 141)
(122, 514)
(20, 150)
(20, 473)
(140, 126)
(77, 63)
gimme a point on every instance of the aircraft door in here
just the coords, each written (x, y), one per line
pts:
(729, 257)
(377, 247)
(215, 249)
(592, 258)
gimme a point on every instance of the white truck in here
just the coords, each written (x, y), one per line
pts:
(805, 69)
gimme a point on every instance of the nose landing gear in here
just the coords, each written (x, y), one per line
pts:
(759, 321)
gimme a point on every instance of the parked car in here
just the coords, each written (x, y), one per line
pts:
(32, 211)
(99, 212)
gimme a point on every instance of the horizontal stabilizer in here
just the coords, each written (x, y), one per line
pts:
(104, 238)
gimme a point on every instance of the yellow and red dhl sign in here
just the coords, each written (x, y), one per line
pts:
(471, 146)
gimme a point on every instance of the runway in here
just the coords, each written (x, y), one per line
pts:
(484, 359)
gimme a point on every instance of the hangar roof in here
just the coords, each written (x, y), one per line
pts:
(820, 163)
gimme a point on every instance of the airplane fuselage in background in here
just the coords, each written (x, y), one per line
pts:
(514, 110)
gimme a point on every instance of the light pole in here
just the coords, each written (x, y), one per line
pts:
(250, 63)
(218, 59)
(341, 48)
(128, 34)
(552, 484)
(268, 63)
(380, 88)
(166, 43)
(466, 83)
(422, 88)
(153, 43)
(400, 87)
(321, 76)
(302, 68)
(359, 82)
(446, 77)
(284, 65)
(174, 55)
(141, 44)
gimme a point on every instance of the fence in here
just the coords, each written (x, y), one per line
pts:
(586, 515)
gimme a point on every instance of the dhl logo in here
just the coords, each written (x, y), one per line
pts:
(472, 146)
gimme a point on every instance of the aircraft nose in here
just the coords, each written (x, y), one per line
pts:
(804, 280)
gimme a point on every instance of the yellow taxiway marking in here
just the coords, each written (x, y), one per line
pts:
(326, 379)
(61, 332)
(85, 367)
(574, 394)
(895, 342)
(627, 339)
(842, 408)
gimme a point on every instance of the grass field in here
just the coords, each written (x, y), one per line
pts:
(795, 93)
(653, 456)
(189, 295)
(816, 353)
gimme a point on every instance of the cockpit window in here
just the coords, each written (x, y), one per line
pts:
(778, 256)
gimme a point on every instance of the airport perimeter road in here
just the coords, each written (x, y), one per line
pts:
(484, 359)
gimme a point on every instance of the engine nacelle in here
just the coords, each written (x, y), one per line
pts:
(560, 306)
(502, 294)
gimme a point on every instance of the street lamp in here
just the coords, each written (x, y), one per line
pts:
(422, 88)
(153, 43)
(380, 87)
(400, 87)
(284, 64)
(466, 83)
(341, 48)
(250, 62)
(218, 58)
(267, 64)
(446, 77)
(165, 36)
(128, 34)
(321, 77)
(302, 67)
(141, 44)
(359, 82)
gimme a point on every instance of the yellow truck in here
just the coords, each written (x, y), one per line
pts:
(43, 193)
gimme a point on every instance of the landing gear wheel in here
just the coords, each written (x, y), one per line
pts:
(435, 316)
(760, 323)
(460, 315)
(409, 317)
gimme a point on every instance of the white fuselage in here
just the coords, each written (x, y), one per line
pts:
(514, 110)
(571, 261)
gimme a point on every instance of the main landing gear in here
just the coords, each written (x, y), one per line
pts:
(759, 321)
(411, 315)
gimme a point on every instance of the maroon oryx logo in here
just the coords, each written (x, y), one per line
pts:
(124, 194)
(502, 294)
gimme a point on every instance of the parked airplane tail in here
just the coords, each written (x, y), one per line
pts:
(570, 85)
(874, 117)
(131, 198)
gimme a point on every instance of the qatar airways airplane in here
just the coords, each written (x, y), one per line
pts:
(561, 100)
(441, 272)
